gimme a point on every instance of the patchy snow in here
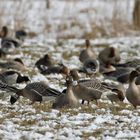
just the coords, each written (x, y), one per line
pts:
(23, 121)
(39, 121)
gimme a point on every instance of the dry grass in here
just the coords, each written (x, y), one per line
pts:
(95, 134)
(102, 28)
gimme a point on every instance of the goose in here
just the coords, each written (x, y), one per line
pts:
(45, 61)
(3, 32)
(109, 55)
(118, 93)
(12, 77)
(59, 69)
(132, 63)
(87, 53)
(16, 64)
(121, 74)
(20, 34)
(87, 89)
(68, 99)
(133, 90)
(90, 66)
(35, 92)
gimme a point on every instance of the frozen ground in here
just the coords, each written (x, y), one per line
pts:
(106, 121)
(67, 19)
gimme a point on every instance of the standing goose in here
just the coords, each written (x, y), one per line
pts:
(90, 89)
(36, 92)
(87, 53)
(133, 91)
(68, 99)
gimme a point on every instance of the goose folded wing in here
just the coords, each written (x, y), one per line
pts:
(94, 84)
(51, 92)
(34, 95)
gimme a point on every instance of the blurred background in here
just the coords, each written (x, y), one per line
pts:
(72, 18)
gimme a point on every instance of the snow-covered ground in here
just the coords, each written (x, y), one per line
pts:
(66, 18)
(106, 121)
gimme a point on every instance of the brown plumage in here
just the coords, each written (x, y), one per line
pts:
(106, 68)
(90, 89)
(109, 55)
(87, 53)
(117, 95)
(133, 91)
(4, 32)
(16, 64)
(59, 69)
(66, 100)
(45, 61)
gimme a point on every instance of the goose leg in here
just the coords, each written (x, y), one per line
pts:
(97, 103)
(92, 76)
(82, 101)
